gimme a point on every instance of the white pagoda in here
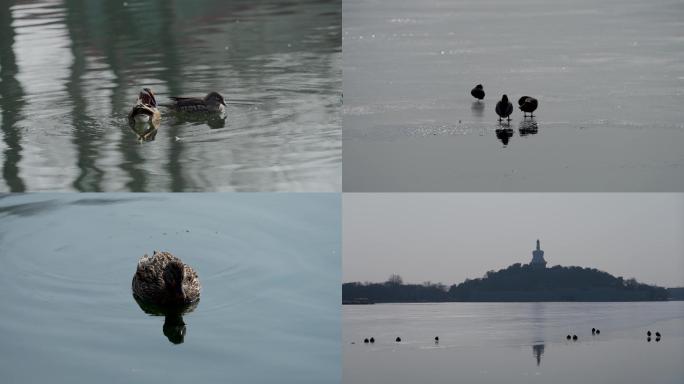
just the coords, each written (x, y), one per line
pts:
(538, 257)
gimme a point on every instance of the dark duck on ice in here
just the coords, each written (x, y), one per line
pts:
(478, 92)
(164, 281)
(527, 104)
(504, 108)
(213, 102)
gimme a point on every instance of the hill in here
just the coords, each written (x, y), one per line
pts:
(515, 283)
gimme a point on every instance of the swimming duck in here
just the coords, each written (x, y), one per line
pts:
(145, 109)
(504, 108)
(213, 102)
(574, 337)
(165, 281)
(398, 339)
(527, 104)
(372, 340)
(478, 92)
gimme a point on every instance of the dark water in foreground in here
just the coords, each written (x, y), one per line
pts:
(513, 343)
(70, 71)
(609, 77)
(269, 265)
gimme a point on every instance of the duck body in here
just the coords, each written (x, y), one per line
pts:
(213, 102)
(164, 281)
(145, 109)
(504, 108)
(478, 92)
(143, 114)
(528, 104)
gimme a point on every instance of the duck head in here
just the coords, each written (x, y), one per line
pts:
(174, 274)
(215, 101)
(504, 99)
(479, 86)
(146, 96)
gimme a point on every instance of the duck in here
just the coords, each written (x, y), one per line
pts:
(366, 341)
(527, 104)
(593, 331)
(436, 339)
(398, 339)
(574, 337)
(372, 340)
(213, 102)
(163, 280)
(657, 334)
(648, 333)
(504, 108)
(568, 337)
(478, 92)
(598, 331)
(145, 109)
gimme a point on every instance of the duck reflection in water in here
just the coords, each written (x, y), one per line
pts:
(145, 132)
(174, 327)
(528, 127)
(214, 121)
(504, 134)
(477, 108)
(538, 351)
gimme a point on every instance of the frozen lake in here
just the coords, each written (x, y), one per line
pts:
(269, 266)
(513, 343)
(609, 77)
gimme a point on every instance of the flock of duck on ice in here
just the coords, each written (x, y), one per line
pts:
(594, 332)
(504, 108)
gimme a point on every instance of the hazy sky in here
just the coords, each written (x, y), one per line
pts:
(449, 237)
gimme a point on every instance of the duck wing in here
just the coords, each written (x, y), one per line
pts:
(499, 108)
(189, 104)
(509, 109)
(141, 109)
(527, 103)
